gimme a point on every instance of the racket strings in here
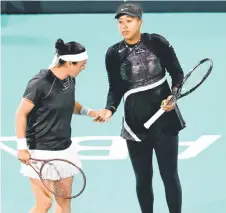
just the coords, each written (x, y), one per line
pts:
(57, 176)
(196, 78)
(61, 188)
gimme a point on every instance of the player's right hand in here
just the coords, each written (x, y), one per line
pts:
(24, 156)
(104, 115)
(166, 106)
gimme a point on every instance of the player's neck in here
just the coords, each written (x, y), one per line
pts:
(59, 73)
(134, 40)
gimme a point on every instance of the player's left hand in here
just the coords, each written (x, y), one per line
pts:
(166, 106)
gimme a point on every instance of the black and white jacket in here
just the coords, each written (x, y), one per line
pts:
(137, 73)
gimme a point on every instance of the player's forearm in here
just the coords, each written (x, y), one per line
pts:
(113, 101)
(80, 110)
(21, 124)
(115, 95)
(77, 108)
(117, 88)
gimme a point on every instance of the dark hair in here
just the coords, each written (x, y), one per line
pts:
(70, 48)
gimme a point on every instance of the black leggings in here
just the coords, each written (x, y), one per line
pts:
(166, 150)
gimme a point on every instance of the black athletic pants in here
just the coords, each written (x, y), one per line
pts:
(166, 150)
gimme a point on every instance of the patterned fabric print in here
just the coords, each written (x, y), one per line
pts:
(141, 67)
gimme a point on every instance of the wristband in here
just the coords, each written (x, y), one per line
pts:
(84, 111)
(21, 144)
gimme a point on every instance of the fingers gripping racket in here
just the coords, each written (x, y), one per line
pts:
(57, 175)
(189, 84)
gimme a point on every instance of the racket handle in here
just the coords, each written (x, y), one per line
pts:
(154, 118)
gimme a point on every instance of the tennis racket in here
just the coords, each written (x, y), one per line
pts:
(190, 83)
(57, 175)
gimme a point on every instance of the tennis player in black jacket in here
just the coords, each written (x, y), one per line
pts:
(136, 68)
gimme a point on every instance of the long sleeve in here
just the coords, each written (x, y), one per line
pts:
(170, 60)
(116, 84)
(173, 67)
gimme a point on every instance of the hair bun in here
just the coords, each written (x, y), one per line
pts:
(60, 47)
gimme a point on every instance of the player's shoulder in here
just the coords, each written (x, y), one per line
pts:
(113, 49)
(39, 79)
(157, 38)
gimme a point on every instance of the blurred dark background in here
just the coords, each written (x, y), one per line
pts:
(45, 7)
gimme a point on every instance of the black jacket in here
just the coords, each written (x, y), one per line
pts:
(138, 73)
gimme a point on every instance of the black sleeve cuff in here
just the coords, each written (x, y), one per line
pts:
(111, 108)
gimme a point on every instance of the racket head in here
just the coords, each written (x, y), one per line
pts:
(63, 178)
(195, 77)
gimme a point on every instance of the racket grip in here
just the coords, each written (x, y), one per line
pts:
(154, 118)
